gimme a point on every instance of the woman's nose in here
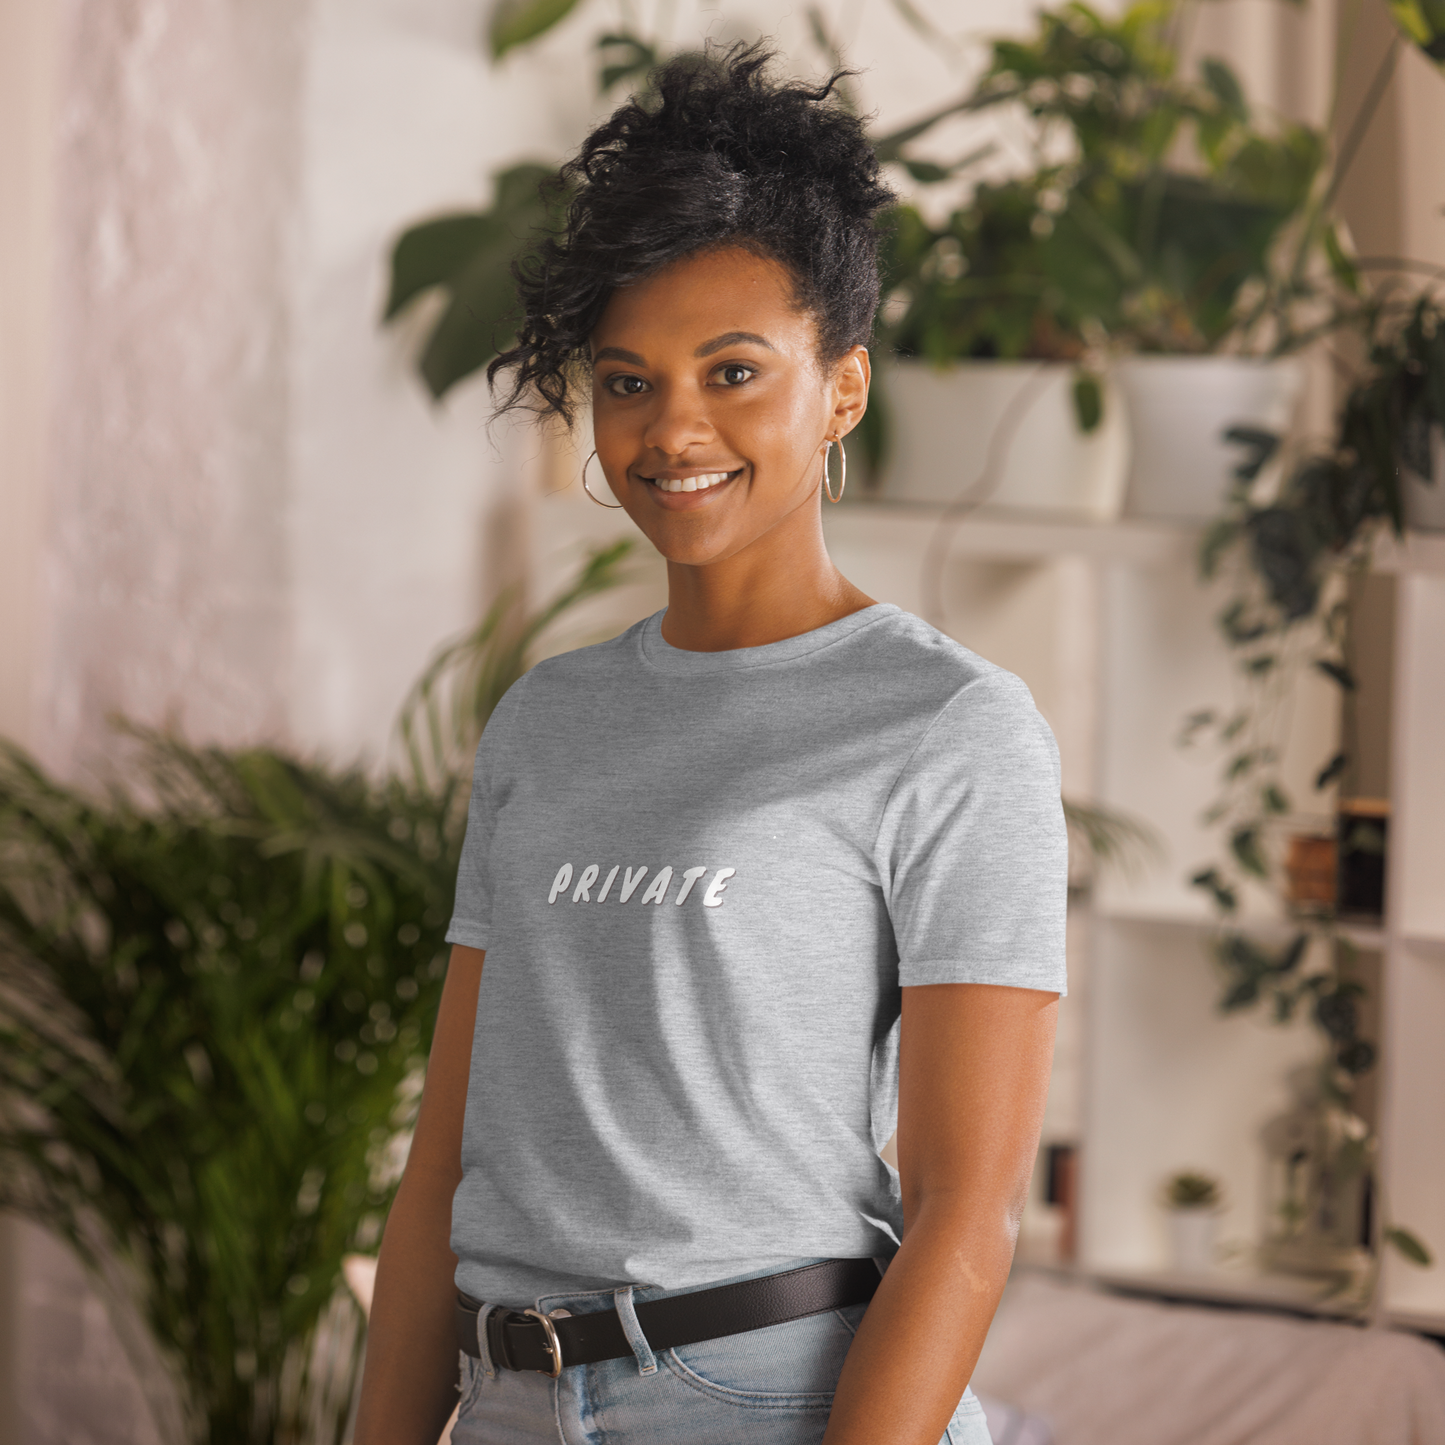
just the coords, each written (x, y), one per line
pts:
(679, 422)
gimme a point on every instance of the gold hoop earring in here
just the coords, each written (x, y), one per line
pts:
(611, 506)
(842, 469)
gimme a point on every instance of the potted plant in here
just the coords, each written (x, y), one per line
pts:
(1152, 242)
(217, 992)
(991, 389)
(1193, 1201)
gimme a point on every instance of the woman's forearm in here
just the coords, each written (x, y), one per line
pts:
(409, 1386)
(921, 1337)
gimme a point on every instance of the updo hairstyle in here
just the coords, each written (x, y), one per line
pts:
(717, 155)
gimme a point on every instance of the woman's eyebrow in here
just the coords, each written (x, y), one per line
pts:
(616, 353)
(731, 338)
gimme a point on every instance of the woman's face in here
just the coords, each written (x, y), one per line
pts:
(707, 375)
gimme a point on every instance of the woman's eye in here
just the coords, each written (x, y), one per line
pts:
(625, 385)
(734, 373)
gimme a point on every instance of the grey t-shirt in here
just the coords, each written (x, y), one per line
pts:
(702, 879)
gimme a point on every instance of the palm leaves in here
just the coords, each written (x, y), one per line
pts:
(204, 1003)
(217, 990)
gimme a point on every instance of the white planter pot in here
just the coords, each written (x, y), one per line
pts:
(1425, 501)
(1192, 1240)
(1179, 408)
(1012, 419)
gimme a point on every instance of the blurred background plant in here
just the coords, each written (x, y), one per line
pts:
(1154, 206)
(217, 991)
(1190, 1189)
(1150, 219)
(1289, 559)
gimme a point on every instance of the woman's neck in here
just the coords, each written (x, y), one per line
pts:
(781, 585)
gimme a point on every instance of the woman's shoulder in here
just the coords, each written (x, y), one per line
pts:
(913, 656)
(586, 664)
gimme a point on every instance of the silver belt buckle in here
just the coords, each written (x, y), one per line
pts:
(554, 1345)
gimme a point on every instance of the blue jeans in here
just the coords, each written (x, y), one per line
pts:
(771, 1386)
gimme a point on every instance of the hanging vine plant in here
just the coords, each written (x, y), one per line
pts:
(1290, 558)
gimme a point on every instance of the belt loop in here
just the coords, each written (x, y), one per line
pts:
(627, 1313)
(484, 1347)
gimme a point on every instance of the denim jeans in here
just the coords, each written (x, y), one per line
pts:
(772, 1386)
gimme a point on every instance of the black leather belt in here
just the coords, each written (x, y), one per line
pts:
(529, 1340)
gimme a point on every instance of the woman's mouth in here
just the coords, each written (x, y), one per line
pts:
(694, 482)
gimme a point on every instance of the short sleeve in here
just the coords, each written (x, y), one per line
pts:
(472, 912)
(973, 849)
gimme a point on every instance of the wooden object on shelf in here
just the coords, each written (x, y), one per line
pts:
(1309, 867)
(1061, 1191)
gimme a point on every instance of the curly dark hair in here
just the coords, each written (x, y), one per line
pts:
(718, 155)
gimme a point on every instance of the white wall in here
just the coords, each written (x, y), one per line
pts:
(29, 83)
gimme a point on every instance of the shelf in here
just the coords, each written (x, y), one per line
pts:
(1371, 937)
(1012, 534)
(1294, 1294)
(1028, 534)
(1416, 552)
(1421, 1322)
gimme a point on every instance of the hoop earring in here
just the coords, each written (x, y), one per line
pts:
(611, 506)
(842, 469)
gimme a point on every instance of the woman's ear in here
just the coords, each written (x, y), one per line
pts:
(850, 389)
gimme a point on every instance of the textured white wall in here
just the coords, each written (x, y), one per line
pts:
(29, 84)
(166, 567)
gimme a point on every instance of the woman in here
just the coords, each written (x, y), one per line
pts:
(770, 871)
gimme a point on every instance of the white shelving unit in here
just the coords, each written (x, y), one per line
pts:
(1114, 634)
(1111, 630)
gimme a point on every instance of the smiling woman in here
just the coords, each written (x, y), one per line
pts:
(809, 887)
(712, 414)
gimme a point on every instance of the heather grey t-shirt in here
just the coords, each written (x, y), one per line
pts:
(701, 880)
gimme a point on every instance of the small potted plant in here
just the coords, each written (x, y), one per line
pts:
(1193, 1201)
(993, 391)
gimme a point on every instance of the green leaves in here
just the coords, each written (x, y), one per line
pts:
(1224, 85)
(1088, 394)
(624, 56)
(470, 256)
(270, 965)
(1285, 549)
(984, 284)
(1244, 844)
(1251, 969)
(1259, 448)
(515, 22)
(1423, 21)
(1408, 1245)
(1342, 266)
(1224, 896)
(432, 253)
(1273, 800)
(1336, 672)
(217, 992)
(443, 715)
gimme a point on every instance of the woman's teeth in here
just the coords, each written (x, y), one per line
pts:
(690, 484)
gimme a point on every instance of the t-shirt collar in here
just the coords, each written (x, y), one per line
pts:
(657, 652)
